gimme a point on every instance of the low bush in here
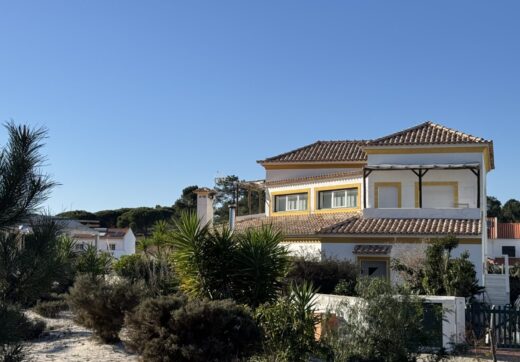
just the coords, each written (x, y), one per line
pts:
(325, 273)
(16, 327)
(288, 326)
(172, 329)
(50, 309)
(155, 272)
(101, 304)
(381, 327)
(15, 352)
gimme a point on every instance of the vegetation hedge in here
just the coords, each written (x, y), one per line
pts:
(101, 304)
(16, 327)
(50, 309)
(172, 329)
(325, 274)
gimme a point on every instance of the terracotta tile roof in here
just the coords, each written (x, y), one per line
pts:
(300, 180)
(427, 133)
(358, 225)
(372, 249)
(295, 225)
(324, 151)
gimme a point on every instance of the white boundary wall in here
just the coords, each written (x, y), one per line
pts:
(453, 308)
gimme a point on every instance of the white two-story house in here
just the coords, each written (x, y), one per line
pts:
(370, 201)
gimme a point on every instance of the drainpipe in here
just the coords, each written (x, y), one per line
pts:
(232, 216)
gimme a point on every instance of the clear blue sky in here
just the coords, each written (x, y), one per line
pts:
(143, 98)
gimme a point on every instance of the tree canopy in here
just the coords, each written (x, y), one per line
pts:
(509, 212)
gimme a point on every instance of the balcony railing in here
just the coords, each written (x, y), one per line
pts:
(424, 213)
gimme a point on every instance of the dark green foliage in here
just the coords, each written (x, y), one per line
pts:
(509, 212)
(383, 327)
(156, 273)
(93, 262)
(51, 309)
(324, 273)
(345, 287)
(259, 264)
(16, 327)
(101, 304)
(439, 273)
(288, 326)
(28, 272)
(494, 207)
(514, 290)
(172, 329)
(15, 352)
(219, 264)
(187, 202)
(77, 215)
(108, 218)
(226, 195)
(22, 185)
(142, 219)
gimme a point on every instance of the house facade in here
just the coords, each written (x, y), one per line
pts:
(373, 200)
(115, 241)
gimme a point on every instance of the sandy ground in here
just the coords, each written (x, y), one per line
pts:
(67, 341)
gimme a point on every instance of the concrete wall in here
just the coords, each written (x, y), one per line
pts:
(495, 247)
(453, 308)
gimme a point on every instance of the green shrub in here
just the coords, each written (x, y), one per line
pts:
(171, 329)
(324, 273)
(289, 326)
(16, 327)
(93, 262)
(101, 304)
(16, 352)
(50, 309)
(155, 272)
(386, 325)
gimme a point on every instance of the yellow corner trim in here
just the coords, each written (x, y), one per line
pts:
(290, 192)
(317, 191)
(377, 185)
(453, 184)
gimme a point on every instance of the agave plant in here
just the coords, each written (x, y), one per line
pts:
(261, 262)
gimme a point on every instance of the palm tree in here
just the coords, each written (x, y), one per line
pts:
(220, 264)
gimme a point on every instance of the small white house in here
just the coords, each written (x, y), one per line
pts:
(117, 242)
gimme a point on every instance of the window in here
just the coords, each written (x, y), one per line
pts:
(509, 251)
(333, 199)
(112, 246)
(438, 196)
(388, 195)
(293, 202)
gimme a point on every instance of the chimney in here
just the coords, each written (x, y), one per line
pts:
(232, 216)
(205, 204)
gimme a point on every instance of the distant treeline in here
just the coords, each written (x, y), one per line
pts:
(509, 212)
(142, 219)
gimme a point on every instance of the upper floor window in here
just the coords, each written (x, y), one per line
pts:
(387, 195)
(112, 246)
(292, 202)
(345, 198)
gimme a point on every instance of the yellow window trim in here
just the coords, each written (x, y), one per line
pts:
(386, 259)
(466, 149)
(317, 191)
(290, 192)
(377, 185)
(453, 184)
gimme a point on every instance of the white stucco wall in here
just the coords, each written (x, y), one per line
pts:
(495, 246)
(344, 250)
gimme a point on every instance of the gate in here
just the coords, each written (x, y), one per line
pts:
(506, 320)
